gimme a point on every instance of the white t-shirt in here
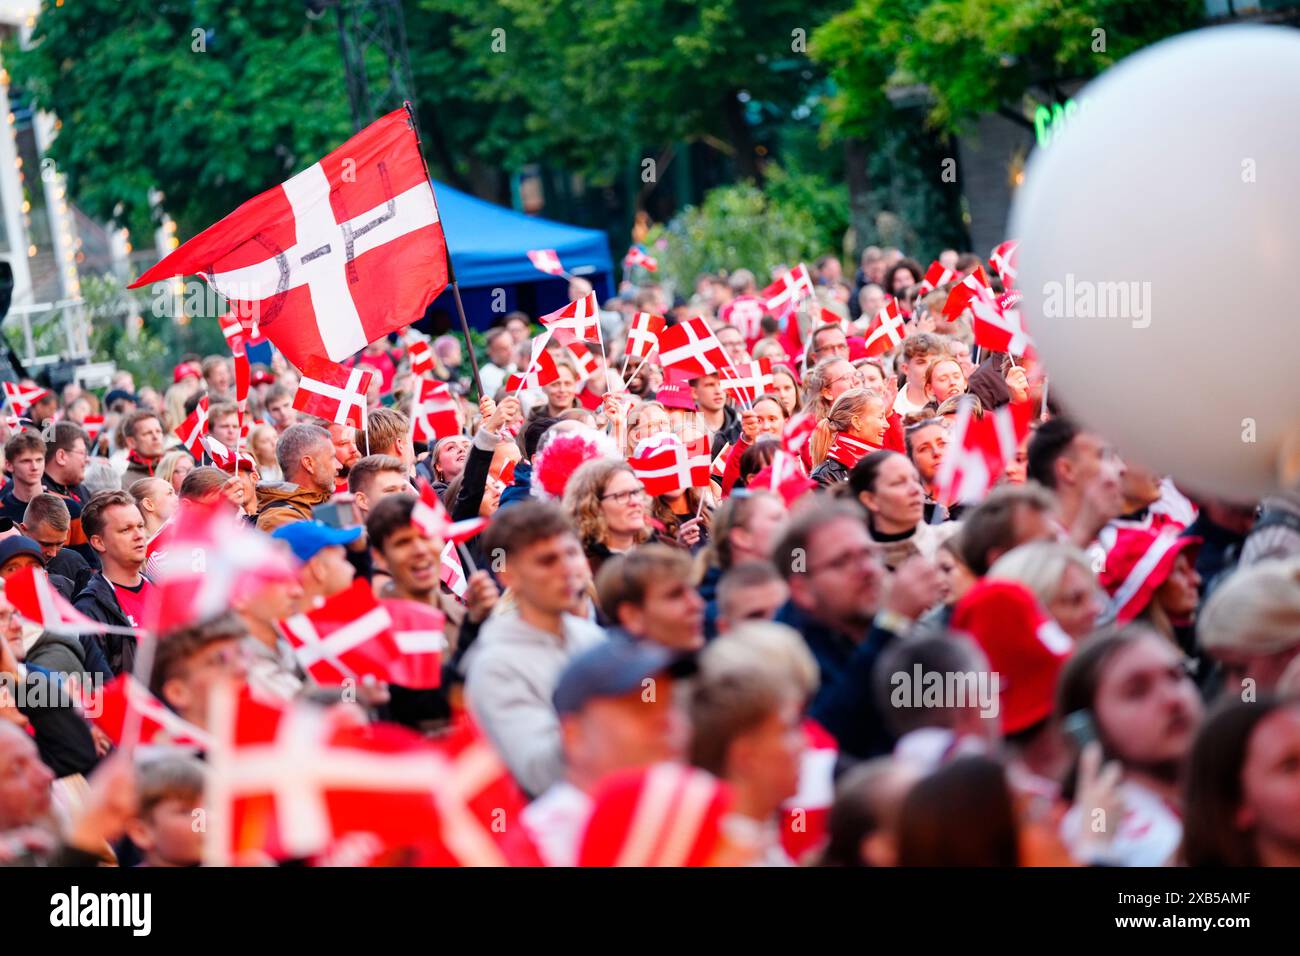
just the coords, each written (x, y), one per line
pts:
(904, 406)
(555, 822)
(1148, 834)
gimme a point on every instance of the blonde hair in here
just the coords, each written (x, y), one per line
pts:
(174, 405)
(1040, 566)
(813, 383)
(166, 466)
(1255, 610)
(766, 646)
(840, 419)
(582, 498)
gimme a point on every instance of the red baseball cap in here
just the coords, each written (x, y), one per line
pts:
(1137, 564)
(186, 370)
(1025, 647)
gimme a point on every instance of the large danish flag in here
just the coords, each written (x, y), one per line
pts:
(886, 331)
(345, 252)
(692, 347)
(666, 465)
(334, 393)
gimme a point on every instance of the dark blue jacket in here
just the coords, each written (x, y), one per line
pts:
(845, 703)
(708, 590)
(522, 487)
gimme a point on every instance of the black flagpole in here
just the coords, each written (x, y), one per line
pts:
(451, 272)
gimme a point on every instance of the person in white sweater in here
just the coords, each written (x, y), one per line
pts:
(513, 667)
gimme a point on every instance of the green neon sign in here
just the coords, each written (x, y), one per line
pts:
(1050, 121)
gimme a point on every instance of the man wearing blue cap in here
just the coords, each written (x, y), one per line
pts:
(618, 711)
(322, 550)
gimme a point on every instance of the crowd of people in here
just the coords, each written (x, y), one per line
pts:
(818, 656)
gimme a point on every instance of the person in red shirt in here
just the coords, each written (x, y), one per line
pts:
(119, 592)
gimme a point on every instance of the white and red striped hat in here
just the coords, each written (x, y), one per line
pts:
(665, 815)
(1137, 564)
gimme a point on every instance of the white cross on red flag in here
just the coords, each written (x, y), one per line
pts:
(111, 707)
(748, 380)
(418, 632)
(342, 254)
(287, 782)
(452, 572)
(433, 412)
(419, 353)
(963, 292)
(192, 430)
(348, 637)
(546, 260)
(936, 276)
(691, 347)
(643, 334)
(998, 327)
(1005, 261)
(978, 451)
(23, 397)
(34, 598)
(586, 362)
(579, 321)
(666, 465)
(886, 330)
(789, 290)
(541, 371)
(334, 393)
(433, 521)
(636, 257)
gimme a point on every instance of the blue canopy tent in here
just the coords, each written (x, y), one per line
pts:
(489, 252)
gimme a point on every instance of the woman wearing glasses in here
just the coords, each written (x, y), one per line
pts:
(609, 507)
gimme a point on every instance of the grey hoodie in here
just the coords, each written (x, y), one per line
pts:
(61, 653)
(511, 673)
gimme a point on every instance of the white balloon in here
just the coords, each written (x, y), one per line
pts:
(1160, 253)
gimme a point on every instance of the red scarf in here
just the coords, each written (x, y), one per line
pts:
(848, 451)
(134, 458)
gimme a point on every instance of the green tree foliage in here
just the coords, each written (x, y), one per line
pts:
(979, 56)
(586, 83)
(208, 101)
(796, 219)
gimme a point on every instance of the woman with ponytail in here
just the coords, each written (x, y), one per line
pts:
(854, 427)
